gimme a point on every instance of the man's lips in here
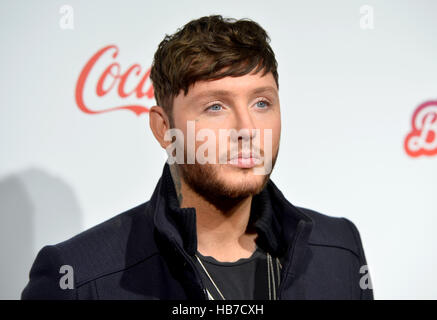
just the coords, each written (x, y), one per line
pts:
(245, 160)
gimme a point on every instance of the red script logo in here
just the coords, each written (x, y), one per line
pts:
(113, 76)
(422, 139)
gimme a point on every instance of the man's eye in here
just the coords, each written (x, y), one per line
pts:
(214, 107)
(262, 104)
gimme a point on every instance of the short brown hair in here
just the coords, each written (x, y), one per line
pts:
(208, 48)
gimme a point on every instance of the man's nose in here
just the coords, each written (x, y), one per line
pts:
(244, 125)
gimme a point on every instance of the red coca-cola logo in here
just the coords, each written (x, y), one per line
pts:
(111, 77)
(422, 139)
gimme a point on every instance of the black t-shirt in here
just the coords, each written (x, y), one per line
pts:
(244, 279)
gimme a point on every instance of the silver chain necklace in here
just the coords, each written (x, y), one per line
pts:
(270, 277)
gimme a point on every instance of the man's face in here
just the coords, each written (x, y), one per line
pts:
(247, 102)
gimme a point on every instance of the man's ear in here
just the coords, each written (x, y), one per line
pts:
(159, 124)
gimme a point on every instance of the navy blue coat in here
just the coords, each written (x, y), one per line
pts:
(147, 253)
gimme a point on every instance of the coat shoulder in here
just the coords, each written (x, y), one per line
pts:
(109, 247)
(333, 231)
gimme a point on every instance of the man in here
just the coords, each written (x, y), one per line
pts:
(216, 226)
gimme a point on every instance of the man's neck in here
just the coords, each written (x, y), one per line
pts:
(221, 233)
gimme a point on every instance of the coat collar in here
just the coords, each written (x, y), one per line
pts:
(275, 219)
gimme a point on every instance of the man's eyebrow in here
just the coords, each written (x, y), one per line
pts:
(209, 93)
(225, 93)
(265, 89)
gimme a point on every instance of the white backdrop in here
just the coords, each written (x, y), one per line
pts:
(348, 95)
